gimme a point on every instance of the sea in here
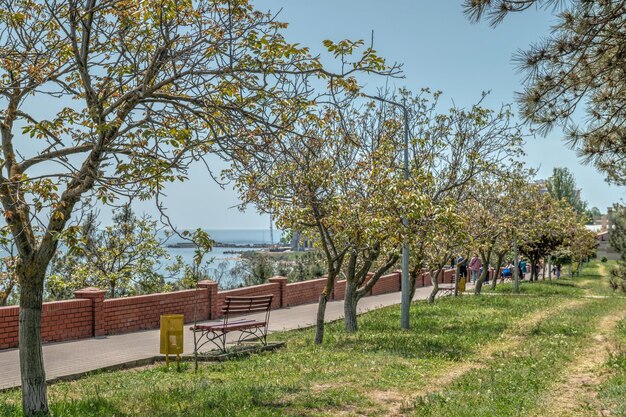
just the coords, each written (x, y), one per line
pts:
(232, 239)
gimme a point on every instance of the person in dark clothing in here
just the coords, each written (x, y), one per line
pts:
(462, 267)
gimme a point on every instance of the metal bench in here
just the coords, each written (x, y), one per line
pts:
(250, 329)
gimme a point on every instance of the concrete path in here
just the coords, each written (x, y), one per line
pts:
(67, 359)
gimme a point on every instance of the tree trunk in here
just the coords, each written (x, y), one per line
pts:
(496, 272)
(479, 284)
(33, 375)
(321, 308)
(412, 282)
(321, 313)
(349, 307)
(434, 278)
(550, 267)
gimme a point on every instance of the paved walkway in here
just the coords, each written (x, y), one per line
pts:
(66, 359)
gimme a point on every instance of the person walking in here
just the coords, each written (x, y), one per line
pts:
(522, 269)
(475, 266)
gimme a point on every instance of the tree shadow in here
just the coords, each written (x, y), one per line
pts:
(87, 407)
(439, 332)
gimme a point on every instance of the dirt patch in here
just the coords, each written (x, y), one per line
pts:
(576, 393)
(393, 402)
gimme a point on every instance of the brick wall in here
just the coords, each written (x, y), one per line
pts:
(339, 291)
(263, 289)
(61, 320)
(90, 314)
(304, 292)
(122, 315)
(9, 318)
(66, 320)
(387, 283)
(447, 276)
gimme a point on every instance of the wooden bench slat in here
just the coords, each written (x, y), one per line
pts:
(220, 325)
(251, 297)
(247, 303)
(244, 305)
(244, 309)
(238, 305)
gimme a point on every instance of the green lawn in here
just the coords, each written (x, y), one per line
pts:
(613, 391)
(593, 280)
(466, 356)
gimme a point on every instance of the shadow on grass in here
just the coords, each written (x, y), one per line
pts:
(87, 407)
(10, 410)
(443, 330)
(563, 286)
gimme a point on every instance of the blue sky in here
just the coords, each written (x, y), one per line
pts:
(440, 49)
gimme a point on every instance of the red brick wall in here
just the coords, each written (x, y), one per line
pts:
(91, 315)
(339, 291)
(263, 289)
(448, 276)
(426, 279)
(61, 320)
(9, 319)
(387, 283)
(304, 292)
(66, 320)
(122, 315)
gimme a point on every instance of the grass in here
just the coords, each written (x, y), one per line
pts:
(612, 392)
(593, 281)
(465, 356)
(510, 384)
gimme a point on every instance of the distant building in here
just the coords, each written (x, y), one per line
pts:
(542, 184)
(300, 242)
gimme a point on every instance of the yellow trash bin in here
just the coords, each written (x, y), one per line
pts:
(172, 326)
(462, 284)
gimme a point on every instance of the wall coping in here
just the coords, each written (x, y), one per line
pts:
(154, 297)
(250, 288)
(306, 282)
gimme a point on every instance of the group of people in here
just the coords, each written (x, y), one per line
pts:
(475, 267)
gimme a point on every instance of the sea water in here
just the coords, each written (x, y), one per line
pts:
(230, 239)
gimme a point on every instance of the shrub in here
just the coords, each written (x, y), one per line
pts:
(604, 259)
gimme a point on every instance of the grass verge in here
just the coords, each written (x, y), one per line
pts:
(465, 356)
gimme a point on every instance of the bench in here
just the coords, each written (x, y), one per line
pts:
(446, 289)
(250, 329)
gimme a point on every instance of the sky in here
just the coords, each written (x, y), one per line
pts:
(440, 49)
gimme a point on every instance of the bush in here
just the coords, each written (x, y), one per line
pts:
(604, 259)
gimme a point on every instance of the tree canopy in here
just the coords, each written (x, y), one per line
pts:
(134, 93)
(562, 186)
(578, 68)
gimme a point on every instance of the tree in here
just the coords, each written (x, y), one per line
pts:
(494, 209)
(298, 183)
(562, 186)
(455, 148)
(546, 224)
(617, 239)
(125, 258)
(593, 214)
(336, 180)
(8, 280)
(135, 92)
(582, 243)
(578, 66)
